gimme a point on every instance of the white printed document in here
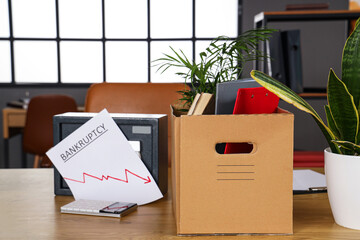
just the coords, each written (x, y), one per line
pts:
(98, 163)
(306, 179)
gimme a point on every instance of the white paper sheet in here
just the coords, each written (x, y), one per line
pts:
(98, 163)
(305, 179)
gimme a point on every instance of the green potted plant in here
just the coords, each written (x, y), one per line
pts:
(223, 60)
(342, 161)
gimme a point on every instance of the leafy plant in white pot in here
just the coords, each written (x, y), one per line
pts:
(342, 160)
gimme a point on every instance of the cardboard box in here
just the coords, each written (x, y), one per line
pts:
(254, 195)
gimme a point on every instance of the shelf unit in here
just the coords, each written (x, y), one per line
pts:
(263, 18)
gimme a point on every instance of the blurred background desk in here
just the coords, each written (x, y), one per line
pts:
(13, 123)
(29, 210)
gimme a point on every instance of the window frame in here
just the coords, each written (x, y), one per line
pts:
(11, 39)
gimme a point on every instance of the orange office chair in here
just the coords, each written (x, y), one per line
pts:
(148, 98)
(38, 131)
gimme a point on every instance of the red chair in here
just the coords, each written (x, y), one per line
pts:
(308, 159)
(38, 131)
(150, 98)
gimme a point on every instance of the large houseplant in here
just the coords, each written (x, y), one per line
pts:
(342, 163)
(223, 60)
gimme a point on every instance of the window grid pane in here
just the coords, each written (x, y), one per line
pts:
(81, 62)
(157, 50)
(34, 18)
(5, 65)
(225, 22)
(171, 19)
(4, 19)
(200, 46)
(35, 61)
(126, 62)
(127, 42)
(126, 19)
(80, 18)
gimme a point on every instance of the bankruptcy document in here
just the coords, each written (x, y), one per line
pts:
(98, 163)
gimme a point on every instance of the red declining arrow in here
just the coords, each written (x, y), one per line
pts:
(126, 180)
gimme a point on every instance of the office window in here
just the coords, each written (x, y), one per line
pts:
(80, 18)
(4, 19)
(34, 19)
(89, 41)
(200, 47)
(126, 61)
(157, 50)
(171, 19)
(225, 22)
(126, 19)
(35, 61)
(5, 65)
(81, 62)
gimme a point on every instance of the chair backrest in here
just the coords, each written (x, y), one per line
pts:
(151, 98)
(148, 98)
(38, 131)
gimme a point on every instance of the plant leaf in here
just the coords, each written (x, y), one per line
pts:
(223, 60)
(349, 146)
(291, 97)
(330, 122)
(342, 108)
(283, 92)
(350, 65)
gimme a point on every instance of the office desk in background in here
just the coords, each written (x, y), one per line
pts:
(29, 210)
(13, 123)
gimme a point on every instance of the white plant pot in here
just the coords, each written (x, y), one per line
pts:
(343, 187)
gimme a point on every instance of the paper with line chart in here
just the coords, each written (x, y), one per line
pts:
(98, 163)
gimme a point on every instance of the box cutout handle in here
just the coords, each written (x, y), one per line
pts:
(234, 148)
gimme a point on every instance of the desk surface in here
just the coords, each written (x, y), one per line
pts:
(29, 210)
(13, 117)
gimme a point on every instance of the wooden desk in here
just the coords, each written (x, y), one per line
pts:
(29, 210)
(13, 122)
(13, 118)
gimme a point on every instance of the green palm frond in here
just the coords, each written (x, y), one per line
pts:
(223, 60)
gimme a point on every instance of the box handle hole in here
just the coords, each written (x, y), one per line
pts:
(234, 148)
